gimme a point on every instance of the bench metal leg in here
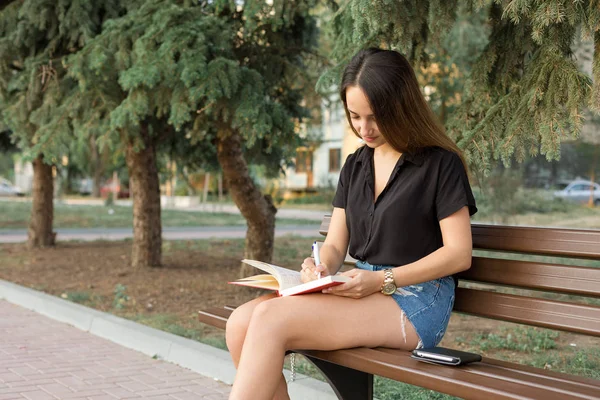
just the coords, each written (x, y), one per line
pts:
(347, 383)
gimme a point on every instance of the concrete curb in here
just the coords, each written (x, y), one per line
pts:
(198, 357)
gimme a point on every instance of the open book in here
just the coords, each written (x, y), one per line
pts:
(286, 282)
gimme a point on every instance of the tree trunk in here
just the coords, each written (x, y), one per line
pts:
(42, 210)
(186, 178)
(258, 210)
(206, 183)
(220, 186)
(147, 230)
(96, 166)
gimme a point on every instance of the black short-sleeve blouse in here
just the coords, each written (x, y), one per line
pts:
(402, 226)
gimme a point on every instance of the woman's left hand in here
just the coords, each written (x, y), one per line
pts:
(363, 283)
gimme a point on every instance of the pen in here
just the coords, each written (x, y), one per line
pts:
(315, 248)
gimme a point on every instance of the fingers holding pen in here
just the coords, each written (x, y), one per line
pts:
(310, 271)
(322, 270)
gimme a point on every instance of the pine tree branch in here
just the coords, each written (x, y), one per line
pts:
(16, 67)
(5, 3)
(66, 109)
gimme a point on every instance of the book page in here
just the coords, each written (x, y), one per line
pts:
(286, 277)
(259, 281)
(316, 285)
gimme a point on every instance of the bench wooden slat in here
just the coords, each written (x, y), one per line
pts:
(324, 227)
(578, 243)
(214, 316)
(565, 385)
(584, 281)
(579, 318)
(484, 380)
(488, 379)
(559, 380)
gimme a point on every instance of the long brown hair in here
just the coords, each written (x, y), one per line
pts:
(401, 112)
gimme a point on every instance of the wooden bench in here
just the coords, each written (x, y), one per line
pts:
(350, 371)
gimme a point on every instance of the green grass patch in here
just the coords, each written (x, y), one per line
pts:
(171, 323)
(571, 361)
(289, 251)
(120, 297)
(85, 298)
(15, 215)
(523, 339)
(77, 297)
(388, 389)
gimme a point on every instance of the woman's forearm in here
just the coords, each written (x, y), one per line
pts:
(332, 258)
(442, 262)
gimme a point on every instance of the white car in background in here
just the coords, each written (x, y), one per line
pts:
(7, 189)
(579, 191)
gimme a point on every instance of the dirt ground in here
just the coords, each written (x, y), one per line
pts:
(195, 276)
(99, 275)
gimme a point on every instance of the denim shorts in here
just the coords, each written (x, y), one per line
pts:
(427, 305)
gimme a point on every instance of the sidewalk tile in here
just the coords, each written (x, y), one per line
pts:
(38, 395)
(43, 359)
(11, 396)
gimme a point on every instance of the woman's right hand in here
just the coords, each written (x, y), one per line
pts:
(310, 271)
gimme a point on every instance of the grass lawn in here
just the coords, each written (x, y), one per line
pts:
(575, 216)
(194, 276)
(15, 215)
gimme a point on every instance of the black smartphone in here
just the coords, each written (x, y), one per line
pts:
(444, 356)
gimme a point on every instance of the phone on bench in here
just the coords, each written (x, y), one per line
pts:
(444, 356)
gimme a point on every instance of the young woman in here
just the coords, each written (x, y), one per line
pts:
(402, 209)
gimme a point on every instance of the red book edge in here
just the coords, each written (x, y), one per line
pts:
(317, 289)
(312, 290)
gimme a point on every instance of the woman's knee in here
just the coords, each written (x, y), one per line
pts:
(238, 321)
(272, 318)
(236, 326)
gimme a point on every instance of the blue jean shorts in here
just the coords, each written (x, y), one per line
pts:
(427, 305)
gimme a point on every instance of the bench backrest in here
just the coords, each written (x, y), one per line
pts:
(525, 301)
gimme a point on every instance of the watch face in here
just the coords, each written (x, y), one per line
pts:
(388, 288)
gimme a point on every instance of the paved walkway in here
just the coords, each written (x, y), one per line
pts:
(169, 233)
(42, 359)
(169, 204)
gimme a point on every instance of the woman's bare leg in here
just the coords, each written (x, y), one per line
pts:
(237, 325)
(235, 334)
(316, 321)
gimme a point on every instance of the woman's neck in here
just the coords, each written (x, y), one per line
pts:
(386, 151)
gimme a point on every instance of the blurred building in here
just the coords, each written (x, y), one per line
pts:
(23, 175)
(318, 165)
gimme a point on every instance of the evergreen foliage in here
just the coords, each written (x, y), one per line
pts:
(524, 94)
(187, 68)
(36, 96)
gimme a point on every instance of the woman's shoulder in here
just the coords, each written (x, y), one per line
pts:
(436, 155)
(359, 155)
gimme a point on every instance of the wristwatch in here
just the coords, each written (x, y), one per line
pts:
(389, 286)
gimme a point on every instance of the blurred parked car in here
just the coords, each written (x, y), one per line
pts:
(8, 189)
(579, 191)
(86, 186)
(109, 187)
